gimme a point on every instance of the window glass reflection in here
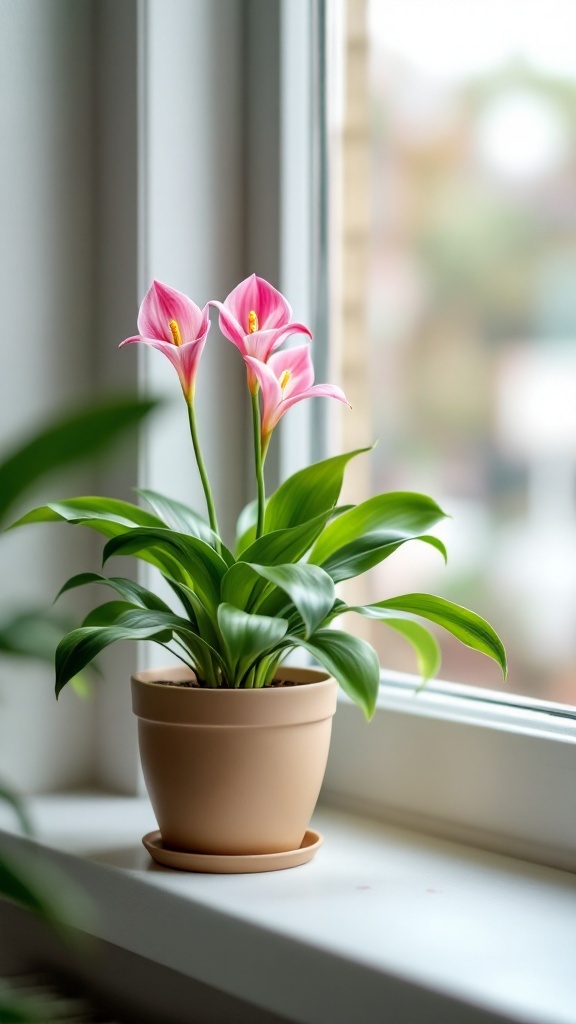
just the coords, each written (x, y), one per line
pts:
(472, 315)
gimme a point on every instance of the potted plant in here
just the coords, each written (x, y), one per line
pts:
(233, 745)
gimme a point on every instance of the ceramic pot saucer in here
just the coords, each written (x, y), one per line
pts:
(237, 864)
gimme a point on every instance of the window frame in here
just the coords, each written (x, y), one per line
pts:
(491, 769)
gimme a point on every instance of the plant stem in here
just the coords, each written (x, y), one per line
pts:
(203, 474)
(259, 463)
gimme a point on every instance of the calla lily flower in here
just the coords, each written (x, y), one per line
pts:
(257, 319)
(170, 322)
(287, 378)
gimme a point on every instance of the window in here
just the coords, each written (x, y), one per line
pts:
(459, 322)
(105, 200)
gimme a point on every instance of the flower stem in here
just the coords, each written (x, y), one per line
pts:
(259, 463)
(203, 474)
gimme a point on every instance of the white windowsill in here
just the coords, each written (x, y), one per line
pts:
(383, 922)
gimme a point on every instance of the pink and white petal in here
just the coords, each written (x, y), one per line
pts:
(174, 305)
(260, 344)
(254, 293)
(281, 333)
(168, 348)
(130, 341)
(151, 320)
(272, 308)
(205, 322)
(229, 325)
(189, 356)
(271, 392)
(298, 363)
(318, 391)
(241, 300)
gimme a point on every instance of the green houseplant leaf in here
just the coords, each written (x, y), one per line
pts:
(108, 516)
(18, 806)
(364, 553)
(79, 647)
(178, 516)
(425, 645)
(352, 661)
(309, 588)
(203, 565)
(33, 633)
(71, 438)
(308, 493)
(128, 589)
(286, 545)
(468, 627)
(247, 636)
(389, 517)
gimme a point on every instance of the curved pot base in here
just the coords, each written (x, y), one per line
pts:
(234, 864)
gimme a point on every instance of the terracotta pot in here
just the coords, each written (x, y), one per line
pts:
(233, 771)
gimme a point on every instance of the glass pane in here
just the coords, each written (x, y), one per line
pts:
(470, 366)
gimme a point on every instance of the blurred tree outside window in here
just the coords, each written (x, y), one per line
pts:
(458, 315)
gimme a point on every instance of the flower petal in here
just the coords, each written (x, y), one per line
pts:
(271, 393)
(261, 344)
(162, 304)
(318, 391)
(229, 326)
(189, 359)
(254, 293)
(298, 363)
(278, 335)
(184, 358)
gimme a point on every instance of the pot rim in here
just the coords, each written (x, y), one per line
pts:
(312, 699)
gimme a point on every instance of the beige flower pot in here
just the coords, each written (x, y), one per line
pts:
(233, 772)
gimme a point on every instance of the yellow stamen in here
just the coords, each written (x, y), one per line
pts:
(175, 332)
(284, 379)
(252, 322)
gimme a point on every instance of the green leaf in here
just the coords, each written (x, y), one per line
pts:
(247, 636)
(178, 517)
(286, 545)
(378, 522)
(309, 588)
(366, 552)
(203, 565)
(351, 661)
(436, 543)
(17, 804)
(241, 586)
(107, 614)
(79, 647)
(75, 437)
(40, 887)
(31, 634)
(108, 516)
(425, 645)
(15, 887)
(308, 493)
(19, 1008)
(192, 603)
(129, 589)
(201, 651)
(466, 626)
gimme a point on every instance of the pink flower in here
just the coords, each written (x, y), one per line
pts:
(169, 321)
(256, 318)
(287, 378)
